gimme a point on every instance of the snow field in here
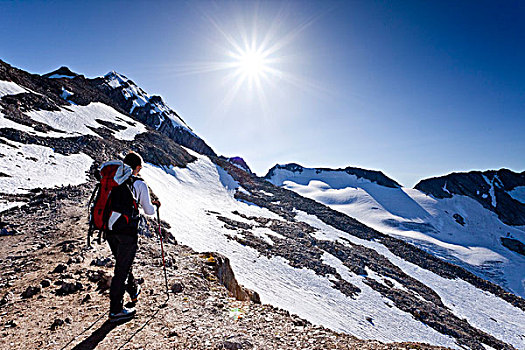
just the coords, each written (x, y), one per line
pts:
(518, 194)
(187, 196)
(74, 120)
(6, 205)
(420, 219)
(481, 309)
(33, 166)
(10, 88)
(7, 123)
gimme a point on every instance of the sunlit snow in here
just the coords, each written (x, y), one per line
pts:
(25, 167)
(188, 195)
(483, 310)
(10, 88)
(76, 120)
(420, 219)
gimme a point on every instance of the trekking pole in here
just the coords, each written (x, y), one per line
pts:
(162, 251)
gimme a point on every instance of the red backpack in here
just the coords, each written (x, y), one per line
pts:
(110, 175)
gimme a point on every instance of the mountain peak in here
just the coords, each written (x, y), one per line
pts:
(239, 162)
(116, 79)
(62, 72)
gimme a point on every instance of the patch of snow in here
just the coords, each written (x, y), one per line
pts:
(518, 193)
(6, 205)
(58, 76)
(242, 190)
(33, 166)
(266, 193)
(487, 347)
(264, 234)
(491, 190)
(8, 123)
(66, 94)
(10, 88)
(75, 120)
(445, 188)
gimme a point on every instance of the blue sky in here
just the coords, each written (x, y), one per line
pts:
(412, 88)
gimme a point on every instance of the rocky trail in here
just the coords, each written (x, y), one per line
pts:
(54, 292)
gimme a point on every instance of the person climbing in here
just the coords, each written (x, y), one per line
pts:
(122, 235)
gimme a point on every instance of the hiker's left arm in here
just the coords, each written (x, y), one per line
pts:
(144, 199)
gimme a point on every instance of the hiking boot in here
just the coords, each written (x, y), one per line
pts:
(135, 296)
(123, 315)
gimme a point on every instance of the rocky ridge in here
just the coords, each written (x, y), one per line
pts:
(489, 188)
(371, 175)
(52, 94)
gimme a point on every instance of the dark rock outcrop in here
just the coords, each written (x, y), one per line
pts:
(513, 244)
(489, 188)
(62, 72)
(238, 162)
(221, 268)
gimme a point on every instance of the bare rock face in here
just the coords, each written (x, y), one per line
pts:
(514, 245)
(489, 188)
(221, 267)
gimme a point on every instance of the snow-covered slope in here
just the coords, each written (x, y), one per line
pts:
(25, 167)
(195, 197)
(189, 198)
(458, 229)
(10, 88)
(81, 120)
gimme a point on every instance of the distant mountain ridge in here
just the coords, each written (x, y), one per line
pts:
(460, 217)
(62, 72)
(491, 188)
(371, 175)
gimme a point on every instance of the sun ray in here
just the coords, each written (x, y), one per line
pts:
(254, 55)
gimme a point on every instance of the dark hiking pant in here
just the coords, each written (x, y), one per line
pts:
(124, 248)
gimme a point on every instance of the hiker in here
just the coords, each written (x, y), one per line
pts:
(122, 236)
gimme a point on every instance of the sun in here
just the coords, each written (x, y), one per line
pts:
(252, 64)
(254, 55)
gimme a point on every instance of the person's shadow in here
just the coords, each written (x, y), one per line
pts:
(98, 335)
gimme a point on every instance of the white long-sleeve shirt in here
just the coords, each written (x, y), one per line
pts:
(142, 196)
